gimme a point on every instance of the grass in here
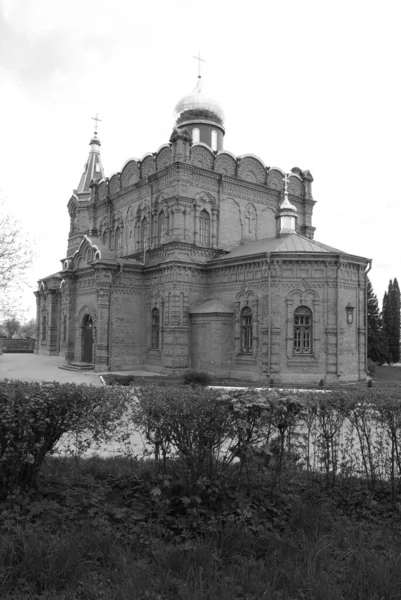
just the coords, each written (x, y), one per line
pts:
(94, 530)
(387, 376)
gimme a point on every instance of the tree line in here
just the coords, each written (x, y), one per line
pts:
(384, 325)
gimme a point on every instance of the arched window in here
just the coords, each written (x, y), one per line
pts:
(144, 233)
(246, 329)
(214, 139)
(44, 328)
(155, 328)
(162, 226)
(195, 135)
(204, 228)
(302, 330)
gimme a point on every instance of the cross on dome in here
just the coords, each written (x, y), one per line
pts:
(199, 59)
(97, 121)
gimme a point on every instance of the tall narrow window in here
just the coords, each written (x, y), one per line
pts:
(162, 226)
(119, 241)
(155, 328)
(195, 135)
(204, 228)
(44, 328)
(65, 328)
(214, 140)
(302, 330)
(246, 329)
(144, 233)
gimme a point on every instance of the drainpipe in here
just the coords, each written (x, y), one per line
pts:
(338, 316)
(366, 315)
(269, 331)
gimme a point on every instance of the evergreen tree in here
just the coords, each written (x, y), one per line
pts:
(391, 319)
(378, 349)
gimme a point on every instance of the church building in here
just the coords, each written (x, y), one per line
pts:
(195, 259)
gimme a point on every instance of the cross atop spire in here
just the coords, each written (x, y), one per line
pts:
(285, 179)
(97, 121)
(199, 59)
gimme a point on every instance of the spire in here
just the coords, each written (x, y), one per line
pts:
(93, 169)
(287, 213)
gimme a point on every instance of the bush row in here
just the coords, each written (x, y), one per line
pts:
(211, 432)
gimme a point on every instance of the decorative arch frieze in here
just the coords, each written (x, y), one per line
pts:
(295, 186)
(275, 179)
(148, 166)
(163, 157)
(252, 169)
(202, 156)
(129, 173)
(102, 190)
(226, 164)
(114, 183)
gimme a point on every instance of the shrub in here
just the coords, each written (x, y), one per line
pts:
(372, 366)
(35, 416)
(197, 378)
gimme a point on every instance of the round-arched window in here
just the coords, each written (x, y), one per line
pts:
(195, 135)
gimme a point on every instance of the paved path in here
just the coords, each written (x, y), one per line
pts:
(33, 367)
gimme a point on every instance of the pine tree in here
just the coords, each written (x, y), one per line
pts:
(378, 349)
(394, 339)
(391, 319)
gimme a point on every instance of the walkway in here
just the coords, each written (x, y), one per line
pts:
(33, 367)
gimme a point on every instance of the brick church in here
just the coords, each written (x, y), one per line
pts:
(193, 258)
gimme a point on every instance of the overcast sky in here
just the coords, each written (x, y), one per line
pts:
(312, 83)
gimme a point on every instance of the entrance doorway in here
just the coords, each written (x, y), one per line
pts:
(87, 339)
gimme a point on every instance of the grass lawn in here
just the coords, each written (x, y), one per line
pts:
(387, 376)
(113, 529)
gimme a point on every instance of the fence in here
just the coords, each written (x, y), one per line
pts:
(17, 346)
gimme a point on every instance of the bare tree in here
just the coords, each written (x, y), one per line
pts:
(11, 325)
(15, 260)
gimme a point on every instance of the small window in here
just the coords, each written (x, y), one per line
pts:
(302, 330)
(246, 329)
(204, 228)
(214, 140)
(155, 328)
(195, 135)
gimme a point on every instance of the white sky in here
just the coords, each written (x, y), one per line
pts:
(310, 83)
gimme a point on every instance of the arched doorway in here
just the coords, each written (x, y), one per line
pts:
(87, 339)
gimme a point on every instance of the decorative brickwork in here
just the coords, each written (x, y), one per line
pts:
(250, 169)
(177, 263)
(129, 174)
(225, 164)
(202, 157)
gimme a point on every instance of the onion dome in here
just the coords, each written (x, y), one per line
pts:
(287, 213)
(202, 116)
(198, 106)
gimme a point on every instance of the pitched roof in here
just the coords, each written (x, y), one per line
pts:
(291, 243)
(93, 168)
(213, 306)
